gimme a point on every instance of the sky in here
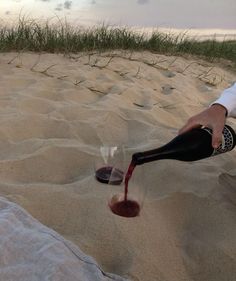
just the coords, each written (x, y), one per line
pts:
(179, 14)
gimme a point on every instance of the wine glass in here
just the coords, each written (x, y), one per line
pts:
(127, 199)
(110, 161)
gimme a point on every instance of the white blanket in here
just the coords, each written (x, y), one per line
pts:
(30, 251)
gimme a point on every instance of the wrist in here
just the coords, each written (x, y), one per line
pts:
(220, 109)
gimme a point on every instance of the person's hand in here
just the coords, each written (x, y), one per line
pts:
(213, 117)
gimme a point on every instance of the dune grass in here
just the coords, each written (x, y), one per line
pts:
(28, 35)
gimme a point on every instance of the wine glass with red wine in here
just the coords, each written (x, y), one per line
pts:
(110, 161)
(126, 200)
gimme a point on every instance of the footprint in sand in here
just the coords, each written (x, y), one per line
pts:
(167, 89)
(145, 101)
(204, 88)
(168, 73)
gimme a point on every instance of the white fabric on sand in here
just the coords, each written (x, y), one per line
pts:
(31, 251)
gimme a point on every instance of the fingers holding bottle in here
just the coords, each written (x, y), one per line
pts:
(213, 117)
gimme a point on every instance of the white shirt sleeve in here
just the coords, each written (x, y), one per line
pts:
(228, 100)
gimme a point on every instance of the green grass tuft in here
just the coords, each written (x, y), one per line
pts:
(28, 35)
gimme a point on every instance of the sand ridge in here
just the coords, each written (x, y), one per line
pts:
(56, 111)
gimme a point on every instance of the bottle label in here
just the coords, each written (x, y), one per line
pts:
(227, 141)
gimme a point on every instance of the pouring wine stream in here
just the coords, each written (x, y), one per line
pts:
(190, 146)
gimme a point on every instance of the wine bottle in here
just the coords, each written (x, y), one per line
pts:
(193, 145)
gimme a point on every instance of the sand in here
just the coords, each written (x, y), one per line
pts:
(56, 111)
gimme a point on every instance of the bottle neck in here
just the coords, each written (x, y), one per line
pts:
(160, 153)
(190, 146)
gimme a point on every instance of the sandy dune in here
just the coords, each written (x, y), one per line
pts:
(55, 113)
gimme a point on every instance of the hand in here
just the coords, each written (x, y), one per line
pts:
(213, 117)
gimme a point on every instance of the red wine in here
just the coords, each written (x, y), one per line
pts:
(190, 146)
(109, 175)
(122, 206)
(125, 208)
(128, 176)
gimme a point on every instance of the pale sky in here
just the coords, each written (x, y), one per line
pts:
(186, 14)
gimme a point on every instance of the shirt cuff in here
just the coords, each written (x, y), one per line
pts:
(228, 100)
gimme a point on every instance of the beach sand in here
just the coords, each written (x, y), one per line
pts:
(56, 111)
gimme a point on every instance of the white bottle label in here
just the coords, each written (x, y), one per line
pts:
(227, 141)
